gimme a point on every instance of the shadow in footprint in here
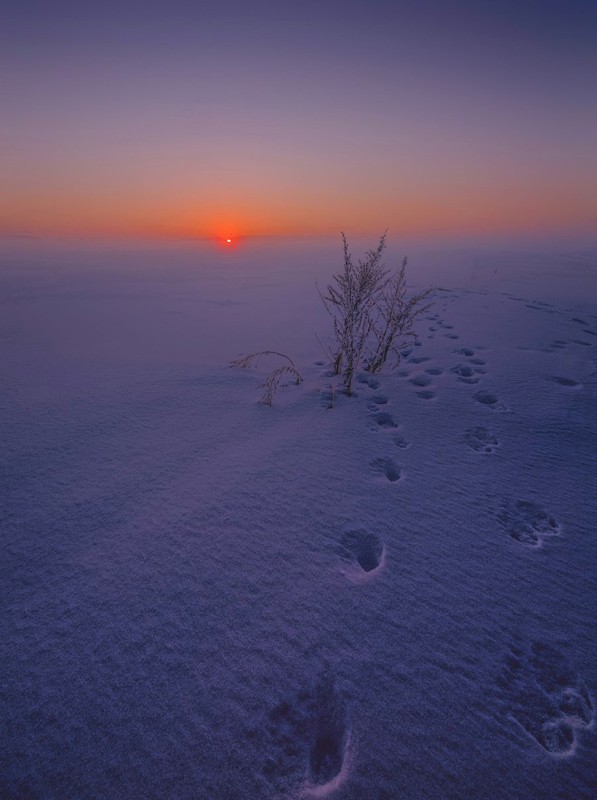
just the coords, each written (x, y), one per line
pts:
(426, 394)
(387, 467)
(568, 382)
(308, 733)
(420, 380)
(486, 398)
(330, 734)
(466, 373)
(362, 548)
(384, 420)
(401, 442)
(368, 380)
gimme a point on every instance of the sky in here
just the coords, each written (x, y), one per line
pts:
(229, 119)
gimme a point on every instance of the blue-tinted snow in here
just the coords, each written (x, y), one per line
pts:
(207, 598)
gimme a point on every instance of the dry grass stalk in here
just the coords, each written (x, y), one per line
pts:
(270, 385)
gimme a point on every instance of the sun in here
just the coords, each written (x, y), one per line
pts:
(227, 239)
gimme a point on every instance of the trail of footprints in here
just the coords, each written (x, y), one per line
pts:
(385, 466)
(544, 695)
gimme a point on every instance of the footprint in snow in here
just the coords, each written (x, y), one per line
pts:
(368, 380)
(546, 697)
(568, 382)
(384, 420)
(401, 442)
(466, 373)
(490, 400)
(420, 380)
(426, 394)
(388, 468)
(363, 551)
(310, 741)
(481, 439)
(379, 399)
(434, 371)
(528, 523)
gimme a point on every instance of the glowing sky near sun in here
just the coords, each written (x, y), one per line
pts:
(231, 119)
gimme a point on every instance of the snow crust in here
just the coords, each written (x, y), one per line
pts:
(207, 598)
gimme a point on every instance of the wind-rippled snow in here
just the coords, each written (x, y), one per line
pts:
(207, 598)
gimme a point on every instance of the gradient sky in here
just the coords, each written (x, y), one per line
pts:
(250, 118)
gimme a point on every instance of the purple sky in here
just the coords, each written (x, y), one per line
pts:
(192, 118)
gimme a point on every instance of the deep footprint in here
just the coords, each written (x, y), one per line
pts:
(486, 398)
(466, 373)
(528, 523)
(363, 547)
(309, 734)
(329, 741)
(387, 467)
(569, 382)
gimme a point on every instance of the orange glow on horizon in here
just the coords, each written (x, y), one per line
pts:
(468, 210)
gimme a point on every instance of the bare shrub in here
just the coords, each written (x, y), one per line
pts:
(350, 300)
(393, 319)
(370, 314)
(270, 385)
(372, 320)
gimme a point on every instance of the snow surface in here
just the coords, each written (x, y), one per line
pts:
(203, 597)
